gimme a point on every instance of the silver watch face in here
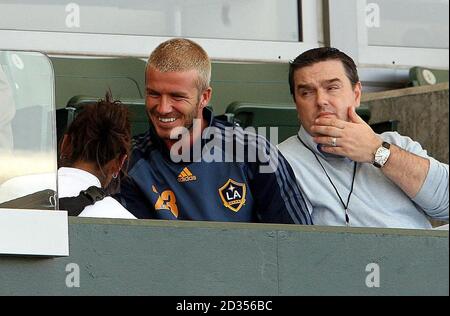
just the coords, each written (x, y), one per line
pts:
(382, 155)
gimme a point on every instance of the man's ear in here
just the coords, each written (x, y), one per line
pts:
(206, 97)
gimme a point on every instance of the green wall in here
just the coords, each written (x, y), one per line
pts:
(256, 83)
(139, 257)
(245, 82)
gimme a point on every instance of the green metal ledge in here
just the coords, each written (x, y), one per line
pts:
(140, 257)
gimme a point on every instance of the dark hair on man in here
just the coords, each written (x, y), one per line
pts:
(100, 133)
(317, 55)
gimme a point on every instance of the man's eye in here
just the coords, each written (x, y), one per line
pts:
(305, 93)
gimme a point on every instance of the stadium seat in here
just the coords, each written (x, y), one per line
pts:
(387, 126)
(139, 118)
(420, 76)
(80, 81)
(265, 115)
(283, 116)
(64, 117)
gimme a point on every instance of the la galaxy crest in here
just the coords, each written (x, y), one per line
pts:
(233, 195)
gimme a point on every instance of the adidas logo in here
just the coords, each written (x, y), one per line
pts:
(186, 176)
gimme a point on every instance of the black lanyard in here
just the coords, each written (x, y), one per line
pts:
(347, 218)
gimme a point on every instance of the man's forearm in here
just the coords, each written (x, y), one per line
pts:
(406, 170)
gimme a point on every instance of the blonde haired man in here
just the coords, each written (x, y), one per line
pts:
(217, 184)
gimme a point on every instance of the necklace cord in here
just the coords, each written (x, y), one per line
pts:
(347, 218)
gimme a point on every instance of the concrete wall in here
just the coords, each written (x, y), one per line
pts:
(138, 257)
(422, 112)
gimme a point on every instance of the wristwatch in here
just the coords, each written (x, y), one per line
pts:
(382, 155)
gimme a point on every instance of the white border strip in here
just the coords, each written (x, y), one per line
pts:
(34, 233)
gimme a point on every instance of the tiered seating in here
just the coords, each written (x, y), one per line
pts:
(283, 116)
(139, 118)
(420, 76)
(84, 80)
(81, 80)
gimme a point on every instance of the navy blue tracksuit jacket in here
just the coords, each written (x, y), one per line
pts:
(235, 189)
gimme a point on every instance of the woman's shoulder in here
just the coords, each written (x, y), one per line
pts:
(107, 208)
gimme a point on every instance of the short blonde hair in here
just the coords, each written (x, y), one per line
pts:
(178, 55)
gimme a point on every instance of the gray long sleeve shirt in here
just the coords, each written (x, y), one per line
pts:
(376, 201)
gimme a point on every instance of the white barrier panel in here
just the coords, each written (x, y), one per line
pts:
(34, 233)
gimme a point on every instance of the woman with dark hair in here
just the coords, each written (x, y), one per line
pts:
(93, 152)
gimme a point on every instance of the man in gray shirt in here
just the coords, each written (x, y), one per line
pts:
(349, 174)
